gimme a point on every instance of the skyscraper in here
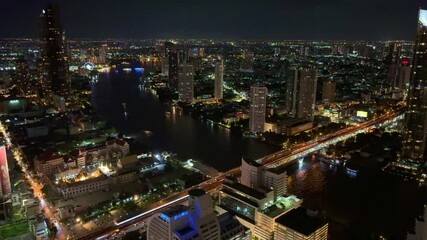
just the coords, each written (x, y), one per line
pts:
(23, 77)
(171, 52)
(412, 158)
(247, 64)
(219, 77)
(328, 91)
(185, 82)
(257, 110)
(301, 85)
(54, 58)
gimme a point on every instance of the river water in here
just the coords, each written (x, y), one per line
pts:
(362, 206)
(188, 137)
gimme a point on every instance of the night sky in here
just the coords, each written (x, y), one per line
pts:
(220, 19)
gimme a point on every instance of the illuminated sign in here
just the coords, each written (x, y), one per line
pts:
(404, 62)
(422, 18)
(363, 114)
(4, 173)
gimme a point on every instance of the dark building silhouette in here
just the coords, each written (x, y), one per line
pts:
(54, 60)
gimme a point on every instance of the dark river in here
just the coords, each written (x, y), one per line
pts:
(362, 206)
(188, 137)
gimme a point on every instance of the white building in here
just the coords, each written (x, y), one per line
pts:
(219, 78)
(186, 82)
(196, 221)
(257, 110)
(256, 176)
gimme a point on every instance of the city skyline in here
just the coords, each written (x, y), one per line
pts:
(277, 20)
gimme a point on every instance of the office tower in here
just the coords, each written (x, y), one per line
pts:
(328, 91)
(195, 221)
(23, 77)
(411, 158)
(301, 224)
(53, 53)
(257, 109)
(219, 77)
(404, 75)
(254, 175)
(164, 65)
(301, 85)
(185, 82)
(171, 52)
(247, 64)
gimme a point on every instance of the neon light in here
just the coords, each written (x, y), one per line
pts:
(180, 215)
(165, 217)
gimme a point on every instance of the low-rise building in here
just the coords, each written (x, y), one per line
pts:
(48, 163)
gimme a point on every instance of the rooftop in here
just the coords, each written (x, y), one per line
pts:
(300, 221)
(246, 190)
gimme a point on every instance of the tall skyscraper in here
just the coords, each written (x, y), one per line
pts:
(328, 91)
(171, 52)
(257, 110)
(185, 82)
(404, 75)
(23, 77)
(412, 158)
(219, 78)
(301, 85)
(54, 57)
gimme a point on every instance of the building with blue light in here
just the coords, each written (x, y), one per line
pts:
(195, 221)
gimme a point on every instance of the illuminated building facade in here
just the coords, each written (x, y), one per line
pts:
(412, 156)
(5, 186)
(254, 175)
(185, 82)
(54, 73)
(23, 77)
(196, 221)
(257, 109)
(301, 85)
(171, 52)
(219, 78)
(255, 209)
(328, 91)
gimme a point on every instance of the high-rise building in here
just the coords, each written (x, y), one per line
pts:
(195, 221)
(412, 157)
(219, 77)
(54, 57)
(301, 85)
(257, 110)
(404, 75)
(185, 82)
(247, 64)
(171, 52)
(255, 176)
(23, 77)
(328, 91)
